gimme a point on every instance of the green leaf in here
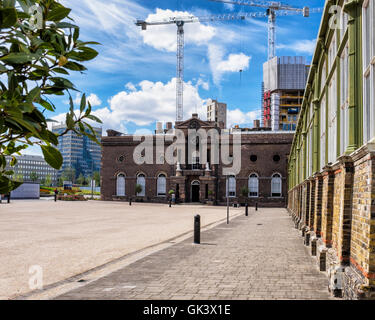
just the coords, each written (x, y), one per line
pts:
(84, 54)
(45, 104)
(94, 118)
(34, 95)
(52, 156)
(8, 17)
(83, 103)
(75, 66)
(17, 58)
(64, 25)
(7, 185)
(60, 70)
(76, 34)
(58, 13)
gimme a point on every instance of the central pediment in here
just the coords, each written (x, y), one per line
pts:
(194, 123)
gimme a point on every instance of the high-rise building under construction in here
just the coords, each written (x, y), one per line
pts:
(284, 81)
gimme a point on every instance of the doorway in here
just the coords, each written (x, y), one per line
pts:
(195, 190)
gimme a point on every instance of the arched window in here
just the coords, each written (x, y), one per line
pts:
(276, 184)
(120, 185)
(161, 185)
(141, 180)
(231, 187)
(253, 185)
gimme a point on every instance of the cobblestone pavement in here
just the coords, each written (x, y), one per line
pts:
(257, 257)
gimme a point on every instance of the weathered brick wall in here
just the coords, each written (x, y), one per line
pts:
(327, 207)
(311, 204)
(362, 243)
(318, 205)
(337, 210)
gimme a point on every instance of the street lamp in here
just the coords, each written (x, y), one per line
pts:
(92, 174)
(227, 185)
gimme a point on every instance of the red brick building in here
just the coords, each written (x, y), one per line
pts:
(261, 179)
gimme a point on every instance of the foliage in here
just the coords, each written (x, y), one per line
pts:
(96, 177)
(47, 180)
(71, 197)
(34, 176)
(39, 48)
(171, 192)
(69, 174)
(138, 188)
(81, 179)
(210, 192)
(244, 191)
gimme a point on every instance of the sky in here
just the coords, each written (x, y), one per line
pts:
(131, 84)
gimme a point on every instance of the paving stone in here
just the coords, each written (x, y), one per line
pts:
(245, 261)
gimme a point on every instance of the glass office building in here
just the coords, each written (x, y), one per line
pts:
(79, 152)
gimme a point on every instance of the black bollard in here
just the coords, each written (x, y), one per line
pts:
(170, 203)
(246, 209)
(256, 206)
(197, 229)
(130, 201)
(8, 197)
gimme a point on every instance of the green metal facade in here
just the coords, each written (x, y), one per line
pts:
(309, 153)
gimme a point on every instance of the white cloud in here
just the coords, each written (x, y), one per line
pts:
(229, 6)
(130, 86)
(219, 65)
(300, 46)
(239, 117)
(147, 103)
(92, 98)
(154, 101)
(164, 37)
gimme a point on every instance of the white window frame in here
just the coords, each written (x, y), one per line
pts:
(368, 16)
(120, 187)
(141, 180)
(344, 99)
(322, 132)
(253, 185)
(332, 120)
(161, 185)
(231, 187)
(276, 186)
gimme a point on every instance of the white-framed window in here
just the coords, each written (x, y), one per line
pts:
(332, 120)
(323, 132)
(343, 22)
(253, 185)
(332, 53)
(231, 187)
(323, 76)
(161, 185)
(369, 70)
(120, 185)
(276, 185)
(310, 151)
(344, 99)
(141, 180)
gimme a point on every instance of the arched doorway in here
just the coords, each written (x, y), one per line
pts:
(195, 189)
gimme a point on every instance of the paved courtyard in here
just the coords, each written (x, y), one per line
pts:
(68, 238)
(255, 257)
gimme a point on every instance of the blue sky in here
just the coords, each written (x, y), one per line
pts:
(131, 82)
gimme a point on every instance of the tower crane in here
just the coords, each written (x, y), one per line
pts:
(280, 10)
(180, 22)
(273, 7)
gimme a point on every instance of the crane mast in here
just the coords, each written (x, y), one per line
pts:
(180, 71)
